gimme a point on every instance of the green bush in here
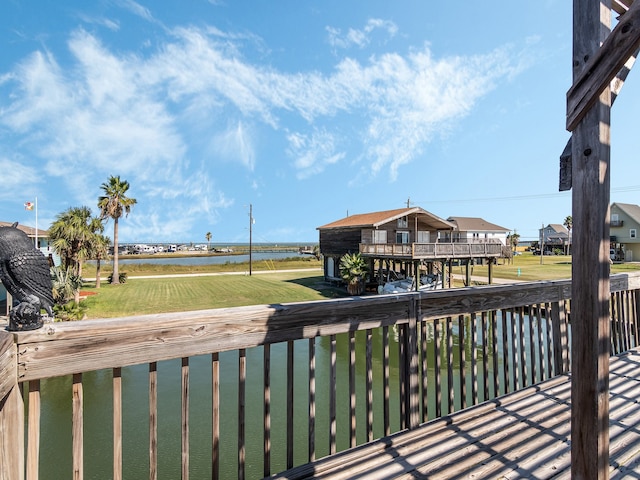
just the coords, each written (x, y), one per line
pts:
(122, 276)
(69, 312)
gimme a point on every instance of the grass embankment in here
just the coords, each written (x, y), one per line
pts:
(140, 296)
(528, 267)
(137, 269)
(156, 295)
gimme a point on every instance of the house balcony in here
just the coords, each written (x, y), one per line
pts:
(432, 251)
(616, 223)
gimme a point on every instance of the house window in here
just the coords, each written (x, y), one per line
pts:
(379, 236)
(403, 222)
(632, 233)
(402, 237)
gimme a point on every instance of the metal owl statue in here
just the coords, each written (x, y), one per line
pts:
(24, 271)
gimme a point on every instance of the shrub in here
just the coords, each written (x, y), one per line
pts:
(122, 276)
(69, 312)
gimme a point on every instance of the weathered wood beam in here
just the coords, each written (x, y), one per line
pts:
(590, 329)
(602, 66)
(616, 86)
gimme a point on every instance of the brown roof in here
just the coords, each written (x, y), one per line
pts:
(475, 224)
(375, 219)
(30, 231)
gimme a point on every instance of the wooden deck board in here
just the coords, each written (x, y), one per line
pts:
(521, 435)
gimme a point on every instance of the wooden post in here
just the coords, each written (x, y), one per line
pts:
(590, 266)
(11, 413)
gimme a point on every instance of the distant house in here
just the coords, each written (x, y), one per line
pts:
(473, 229)
(406, 240)
(624, 232)
(554, 236)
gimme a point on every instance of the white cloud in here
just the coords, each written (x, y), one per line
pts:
(312, 153)
(112, 25)
(235, 144)
(143, 116)
(17, 176)
(360, 38)
(137, 9)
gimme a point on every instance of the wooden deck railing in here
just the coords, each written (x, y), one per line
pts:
(431, 352)
(432, 250)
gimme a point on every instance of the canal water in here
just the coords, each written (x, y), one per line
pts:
(208, 259)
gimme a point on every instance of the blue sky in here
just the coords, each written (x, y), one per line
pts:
(306, 110)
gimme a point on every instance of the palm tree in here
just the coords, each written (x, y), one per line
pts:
(71, 234)
(568, 223)
(208, 237)
(100, 250)
(113, 204)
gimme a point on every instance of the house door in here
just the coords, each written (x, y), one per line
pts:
(423, 237)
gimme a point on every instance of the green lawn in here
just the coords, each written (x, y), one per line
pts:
(171, 294)
(140, 296)
(528, 267)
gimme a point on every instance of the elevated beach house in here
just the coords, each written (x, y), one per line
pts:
(624, 232)
(477, 230)
(553, 237)
(404, 242)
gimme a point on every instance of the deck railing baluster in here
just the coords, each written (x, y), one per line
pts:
(424, 372)
(242, 381)
(485, 354)
(385, 381)
(77, 427)
(266, 438)
(290, 402)
(474, 358)
(185, 418)
(332, 395)
(153, 421)
(312, 400)
(494, 352)
(523, 349)
(215, 416)
(369, 385)
(437, 366)
(462, 362)
(33, 435)
(515, 350)
(505, 352)
(450, 396)
(541, 349)
(117, 423)
(352, 388)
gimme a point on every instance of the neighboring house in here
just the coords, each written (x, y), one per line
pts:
(473, 229)
(554, 236)
(624, 232)
(399, 226)
(404, 240)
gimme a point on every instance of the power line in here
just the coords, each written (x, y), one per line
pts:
(631, 188)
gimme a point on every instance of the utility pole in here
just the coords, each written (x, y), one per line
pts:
(541, 243)
(250, 235)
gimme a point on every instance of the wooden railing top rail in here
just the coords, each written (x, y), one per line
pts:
(76, 347)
